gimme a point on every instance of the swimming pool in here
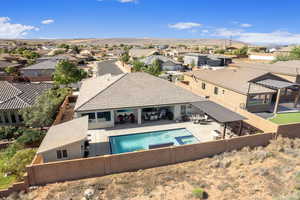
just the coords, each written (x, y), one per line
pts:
(142, 141)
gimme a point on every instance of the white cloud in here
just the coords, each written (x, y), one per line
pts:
(246, 25)
(9, 30)
(184, 25)
(275, 37)
(128, 1)
(47, 21)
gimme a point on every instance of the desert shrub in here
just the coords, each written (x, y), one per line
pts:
(31, 137)
(12, 150)
(43, 112)
(9, 132)
(17, 164)
(297, 180)
(199, 193)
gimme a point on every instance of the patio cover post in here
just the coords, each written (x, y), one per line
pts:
(139, 116)
(240, 128)
(224, 131)
(297, 98)
(277, 101)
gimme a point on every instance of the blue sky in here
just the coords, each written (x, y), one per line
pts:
(254, 21)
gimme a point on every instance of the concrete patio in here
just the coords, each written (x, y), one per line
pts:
(99, 138)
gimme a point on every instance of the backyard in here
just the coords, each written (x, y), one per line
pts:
(286, 118)
(5, 181)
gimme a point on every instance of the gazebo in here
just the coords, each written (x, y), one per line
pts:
(279, 86)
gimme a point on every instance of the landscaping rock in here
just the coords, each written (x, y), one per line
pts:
(89, 193)
(225, 163)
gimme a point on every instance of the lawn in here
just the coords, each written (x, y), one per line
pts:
(5, 182)
(286, 118)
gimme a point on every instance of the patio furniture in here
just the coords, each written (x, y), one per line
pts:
(216, 134)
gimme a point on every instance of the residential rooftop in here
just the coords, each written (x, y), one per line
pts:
(47, 64)
(150, 59)
(20, 95)
(130, 90)
(233, 79)
(64, 134)
(291, 68)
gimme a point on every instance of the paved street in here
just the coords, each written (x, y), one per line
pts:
(108, 67)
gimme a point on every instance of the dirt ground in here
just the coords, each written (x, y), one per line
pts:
(260, 174)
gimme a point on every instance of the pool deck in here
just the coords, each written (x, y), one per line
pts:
(99, 138)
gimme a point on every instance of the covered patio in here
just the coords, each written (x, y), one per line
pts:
(285, 99)
(220, 115)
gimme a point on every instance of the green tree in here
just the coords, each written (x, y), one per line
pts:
(65, 46)
(241, 52)
(75, 48)
(30, 54)
(43, 111)
(66, 72)
(220, 51)
(295, 53)
(155, 68)
(17, 164)
(10, 70)
(31, 137)
(138, 66)
(125, 57)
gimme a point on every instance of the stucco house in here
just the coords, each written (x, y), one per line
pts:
(246, 88)
(45, 66)
(15, 96)
(131, 98)
(65, 141)
(43, 69)
(288, 70)
(167, 64)
(197, 59)
(139, 52)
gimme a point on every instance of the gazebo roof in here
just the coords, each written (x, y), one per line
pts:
(276, 84)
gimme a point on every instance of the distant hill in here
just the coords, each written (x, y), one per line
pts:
(138, 41)
(156, 41)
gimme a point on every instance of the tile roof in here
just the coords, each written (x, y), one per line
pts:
(130, 90)
(20, 95)
(233, 79)
(73, 131)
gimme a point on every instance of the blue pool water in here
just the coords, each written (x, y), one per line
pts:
(141, 141)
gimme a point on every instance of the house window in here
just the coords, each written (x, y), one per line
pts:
(203, 86)
(58, 154)
(92, 116)
(64, 153)
(104, 116)
(61, 154)
(216, 90)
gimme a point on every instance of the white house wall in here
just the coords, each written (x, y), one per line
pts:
(74, 151)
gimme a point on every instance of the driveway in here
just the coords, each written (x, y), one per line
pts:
(108, 67)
